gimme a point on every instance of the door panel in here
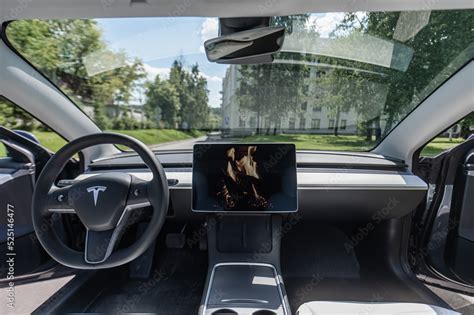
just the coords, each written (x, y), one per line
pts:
(460, 244)
(443, 251)
(17, 238)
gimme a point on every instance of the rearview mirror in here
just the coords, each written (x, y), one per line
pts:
(252, 46)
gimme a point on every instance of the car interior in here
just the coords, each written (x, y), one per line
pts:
(238, 225)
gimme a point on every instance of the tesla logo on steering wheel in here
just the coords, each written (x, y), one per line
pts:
(95, 190)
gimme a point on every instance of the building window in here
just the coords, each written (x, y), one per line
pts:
(305, 89)
(316, 108)
(302, 123)
(315, 123)
(331, 124)
(278, 124)
(343, 124)
(267, 122)
(304, 106)
(253, 122)
(241, 123)
(291, 124)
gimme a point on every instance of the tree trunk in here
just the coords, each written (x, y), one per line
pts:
(336, 124)
(465, 126)
(388, 125)
(378, 133)
(258, 121)
(368, 131)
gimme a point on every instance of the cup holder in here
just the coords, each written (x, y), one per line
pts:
(224, 311)
(264, 312)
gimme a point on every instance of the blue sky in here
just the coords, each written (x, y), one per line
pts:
(159, 41)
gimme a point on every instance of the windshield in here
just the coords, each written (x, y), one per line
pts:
(341, 81)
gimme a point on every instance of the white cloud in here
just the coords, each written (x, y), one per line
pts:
(211, 78)
(152, 72)
(209, 28)
(325, 24)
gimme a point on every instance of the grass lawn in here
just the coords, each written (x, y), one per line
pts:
(317, 142)
(346, 143)
(47, 139)
(157, 136)
(439, 145)
(54, 142)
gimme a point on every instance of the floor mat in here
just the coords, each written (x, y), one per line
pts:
(175, 287)
(322, 252)
(318, 264)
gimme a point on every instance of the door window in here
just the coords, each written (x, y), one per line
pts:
(15, 118)
(451, 137)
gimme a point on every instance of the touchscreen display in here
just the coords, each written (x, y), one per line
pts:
(244, 178)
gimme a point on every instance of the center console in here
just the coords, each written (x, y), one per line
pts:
(244, 274)
(244, 288)
(245, 189)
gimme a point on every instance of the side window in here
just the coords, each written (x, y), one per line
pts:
(451, 137)
(15, 118)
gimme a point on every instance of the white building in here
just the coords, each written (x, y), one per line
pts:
(310, 117)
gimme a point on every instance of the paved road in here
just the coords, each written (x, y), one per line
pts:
(178, 145)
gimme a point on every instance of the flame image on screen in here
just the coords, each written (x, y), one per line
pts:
(239, 187)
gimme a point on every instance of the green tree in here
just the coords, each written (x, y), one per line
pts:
(215, 118)
(162, 102)
(272, 90)
(182, 100)
(6, 113)
(101, 118)
(192, 93)
(438, 50)
(197, 115)
(466, 125)
(61, 49)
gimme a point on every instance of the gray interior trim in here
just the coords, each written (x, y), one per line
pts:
(317, 179)
(64, 210)
(304, 158)
(5, 178)
(14, 9)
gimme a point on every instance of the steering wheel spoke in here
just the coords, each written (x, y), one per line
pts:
(138, 196)
(58, 201)
(99, 245)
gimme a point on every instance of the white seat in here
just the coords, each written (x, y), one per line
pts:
(370, 308)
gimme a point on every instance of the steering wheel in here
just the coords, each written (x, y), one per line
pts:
(102, 202)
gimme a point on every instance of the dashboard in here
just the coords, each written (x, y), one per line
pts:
(330, 185)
